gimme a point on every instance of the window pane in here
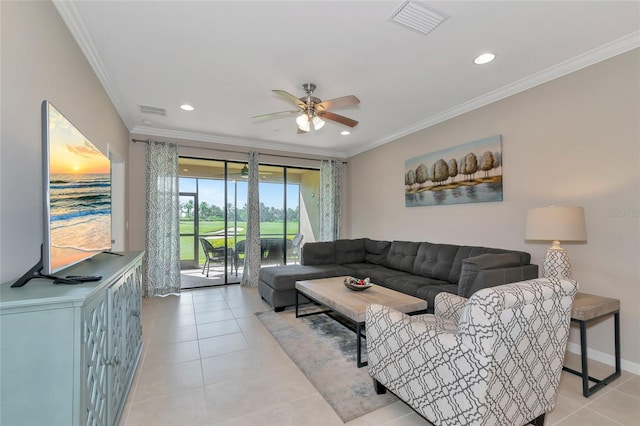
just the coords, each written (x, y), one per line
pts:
(187, 184)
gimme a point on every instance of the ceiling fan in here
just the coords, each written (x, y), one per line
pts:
(312, 111)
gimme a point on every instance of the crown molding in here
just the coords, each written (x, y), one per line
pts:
(591, 57)
(68, 11)
(244, 143)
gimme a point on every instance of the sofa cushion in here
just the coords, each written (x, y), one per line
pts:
(377, 273)
(376, 251)
(435, 260)
(402, 255)
(318, 253)
(410, 284)
(284, 277)
(465, 252)
(350, 251)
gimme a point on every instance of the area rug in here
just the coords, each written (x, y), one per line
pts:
(325, 351)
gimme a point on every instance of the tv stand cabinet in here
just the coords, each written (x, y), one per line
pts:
(69, 352)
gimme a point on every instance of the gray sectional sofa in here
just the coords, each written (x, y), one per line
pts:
(421, 269)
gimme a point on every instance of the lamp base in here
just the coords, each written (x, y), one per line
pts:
(556, 264)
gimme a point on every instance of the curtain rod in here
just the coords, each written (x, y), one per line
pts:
(234, 152)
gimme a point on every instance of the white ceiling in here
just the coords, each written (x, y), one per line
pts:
(225, 57)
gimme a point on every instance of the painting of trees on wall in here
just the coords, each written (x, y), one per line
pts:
(469, 173)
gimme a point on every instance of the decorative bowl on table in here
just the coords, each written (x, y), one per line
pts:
(357, 284)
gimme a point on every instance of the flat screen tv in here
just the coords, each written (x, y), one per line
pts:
(77, 197)
(77, 191)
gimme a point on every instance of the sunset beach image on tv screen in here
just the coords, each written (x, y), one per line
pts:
(79, 195)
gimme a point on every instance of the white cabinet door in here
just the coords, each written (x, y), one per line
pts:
(117, 295)
(95, 360)
(133, 337)
(125, 337)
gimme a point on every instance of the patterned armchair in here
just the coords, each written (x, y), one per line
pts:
(492, 359)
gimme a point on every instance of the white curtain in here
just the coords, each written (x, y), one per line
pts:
(252, 246)
(330, 199)
(162, 265)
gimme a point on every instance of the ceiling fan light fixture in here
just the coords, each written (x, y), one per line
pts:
(302, 120)
(318, 123)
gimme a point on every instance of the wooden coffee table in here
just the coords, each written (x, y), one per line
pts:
(332, 294)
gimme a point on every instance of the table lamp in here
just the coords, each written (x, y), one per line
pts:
(556, 223)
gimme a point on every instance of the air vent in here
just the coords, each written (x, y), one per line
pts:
(145, 109)
(417, 17)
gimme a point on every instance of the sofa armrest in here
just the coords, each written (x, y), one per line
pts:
(490, 270)
(449, 306)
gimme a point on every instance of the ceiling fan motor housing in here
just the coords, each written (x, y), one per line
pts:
(309, 88)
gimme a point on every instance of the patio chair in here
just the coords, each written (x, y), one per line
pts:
(239, 254)
(212, 254)
(293, 251)
(272, 251)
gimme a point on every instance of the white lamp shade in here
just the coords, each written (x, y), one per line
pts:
(317, 123)
(556, 223)
(302, 120)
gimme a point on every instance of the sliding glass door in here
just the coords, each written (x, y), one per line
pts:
(207, 232)
(288, 211)
(188, 228)
(214, 208)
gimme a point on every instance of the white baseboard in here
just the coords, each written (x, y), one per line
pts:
(632, 367)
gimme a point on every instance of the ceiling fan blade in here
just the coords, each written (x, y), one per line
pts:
(274, 115)
(338, 118)
(289, 97)
(338, 102)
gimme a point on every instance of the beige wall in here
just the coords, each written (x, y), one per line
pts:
(572, 141)
(41, 60)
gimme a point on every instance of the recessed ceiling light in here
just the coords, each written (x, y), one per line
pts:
(485, 58)
(186, 107)
(345, 133)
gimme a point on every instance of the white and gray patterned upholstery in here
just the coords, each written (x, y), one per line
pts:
(496, 361)
(449, 306)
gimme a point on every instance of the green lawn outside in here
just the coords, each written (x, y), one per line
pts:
(214, 232)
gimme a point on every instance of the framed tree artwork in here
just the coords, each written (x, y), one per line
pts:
(469, 173)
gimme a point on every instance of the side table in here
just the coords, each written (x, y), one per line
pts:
(587, 308)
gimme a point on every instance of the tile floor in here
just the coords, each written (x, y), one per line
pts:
(207, 360)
